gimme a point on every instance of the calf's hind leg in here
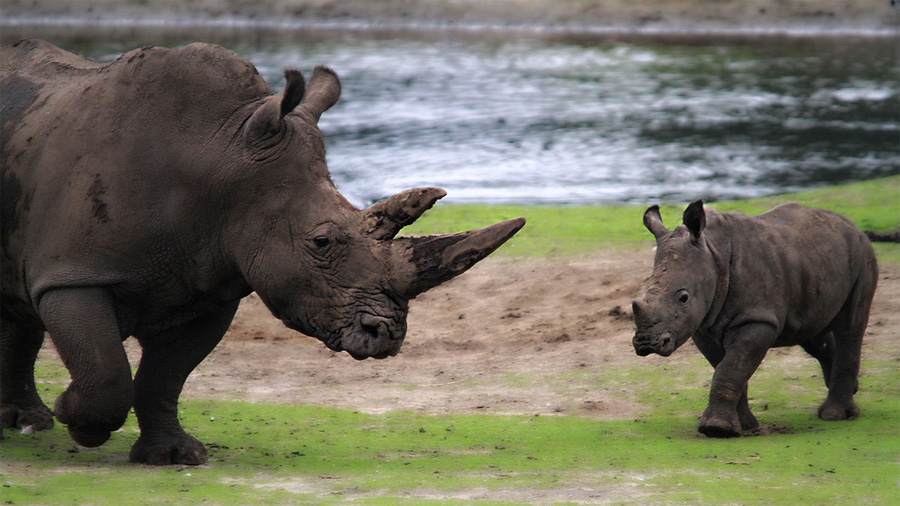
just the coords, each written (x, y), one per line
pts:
(20, 404)
(848, 327)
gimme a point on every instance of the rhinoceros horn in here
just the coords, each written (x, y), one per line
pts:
(384, 219)
(421, 263)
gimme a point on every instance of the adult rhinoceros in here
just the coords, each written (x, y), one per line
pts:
(147, 196)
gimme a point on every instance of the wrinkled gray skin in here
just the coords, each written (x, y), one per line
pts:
(146, 197)
(739, 285)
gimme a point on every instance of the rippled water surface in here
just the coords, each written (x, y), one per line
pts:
(532, 121)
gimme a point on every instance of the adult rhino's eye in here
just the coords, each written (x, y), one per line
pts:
(321, 241)
(683, 296)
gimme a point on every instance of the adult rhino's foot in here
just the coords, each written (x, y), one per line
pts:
(88, 436)
(38, 417)
(87, 426)
(833, 411)
(170, 449)
(748, 421)
(719, 427)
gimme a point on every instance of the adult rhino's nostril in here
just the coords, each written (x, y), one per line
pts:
(376, 326)
(371, 330)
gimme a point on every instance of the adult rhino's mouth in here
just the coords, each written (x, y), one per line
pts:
(367, 336)
(372, 336)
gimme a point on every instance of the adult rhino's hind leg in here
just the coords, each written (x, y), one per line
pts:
(848, 327)
(821, 348)
(166, 362)
(20, 404)
(82, 324)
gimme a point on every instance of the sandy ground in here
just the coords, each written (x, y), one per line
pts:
(868, 14)
(509, 336)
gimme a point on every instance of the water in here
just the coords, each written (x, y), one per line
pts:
(538, 121)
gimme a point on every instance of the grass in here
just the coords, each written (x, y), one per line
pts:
(560, 230)
(273, 454)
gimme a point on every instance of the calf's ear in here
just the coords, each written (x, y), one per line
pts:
(653, 222)
(267, 120)
(695, 219)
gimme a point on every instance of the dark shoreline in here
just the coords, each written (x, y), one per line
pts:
(14, 28)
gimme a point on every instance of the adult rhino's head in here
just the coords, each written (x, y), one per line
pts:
(322, 266)
(680, 290)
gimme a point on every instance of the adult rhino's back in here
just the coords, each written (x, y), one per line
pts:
(205, 79)
(97, 159)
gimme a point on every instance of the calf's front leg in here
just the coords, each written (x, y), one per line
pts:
(714, 353)
(167, 360)
(728, 412)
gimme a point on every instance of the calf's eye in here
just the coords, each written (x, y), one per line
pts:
(683, 297)
(321, 241)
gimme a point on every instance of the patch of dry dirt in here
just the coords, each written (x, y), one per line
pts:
(509, 336)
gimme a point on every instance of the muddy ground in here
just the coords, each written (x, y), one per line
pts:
(509, 336)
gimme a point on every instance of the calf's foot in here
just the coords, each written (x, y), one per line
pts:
(163, 450)
(719, 426)
(833, 411)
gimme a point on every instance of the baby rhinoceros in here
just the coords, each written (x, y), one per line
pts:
(739, 285)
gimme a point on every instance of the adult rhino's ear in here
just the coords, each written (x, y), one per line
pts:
(653, 222)
(323, 91)
(695, 219)
(267, 120)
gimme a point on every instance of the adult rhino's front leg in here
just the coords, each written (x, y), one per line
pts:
(82, 324)
(20, 404)
(166, 362)
(728, 411)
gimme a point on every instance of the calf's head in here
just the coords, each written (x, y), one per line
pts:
(322, 266)
(679, 293)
